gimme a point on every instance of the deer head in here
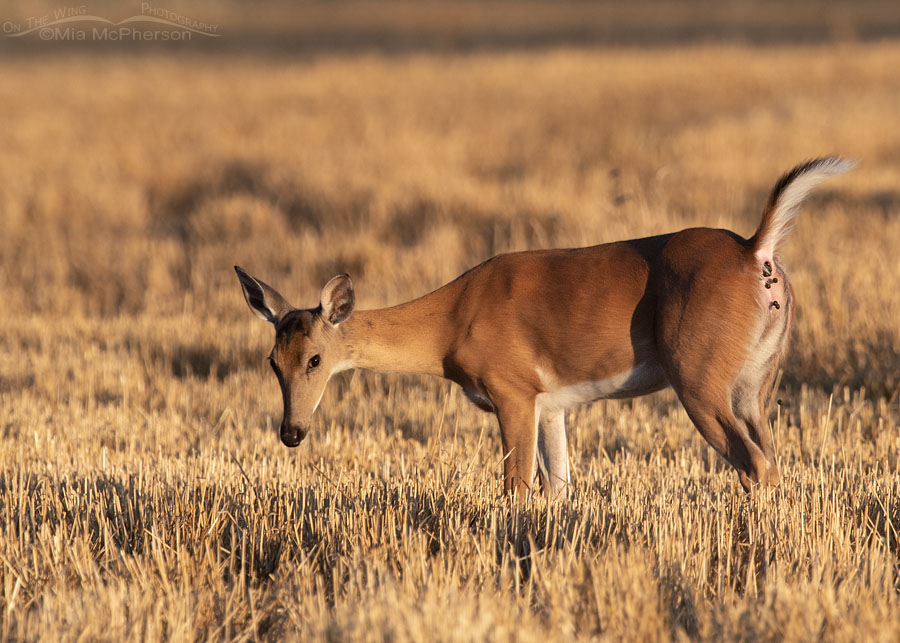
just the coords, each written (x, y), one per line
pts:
(306, 351)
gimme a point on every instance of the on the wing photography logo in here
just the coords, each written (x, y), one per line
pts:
(75, 23)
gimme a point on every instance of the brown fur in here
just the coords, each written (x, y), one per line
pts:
(690, 308)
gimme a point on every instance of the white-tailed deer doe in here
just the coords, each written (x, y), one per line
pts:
(530, 334)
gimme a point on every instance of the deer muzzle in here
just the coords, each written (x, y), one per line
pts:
(292, 435)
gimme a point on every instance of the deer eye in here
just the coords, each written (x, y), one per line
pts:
(314, 361)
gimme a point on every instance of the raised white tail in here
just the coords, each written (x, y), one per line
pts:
(790, 191)
(530, 334)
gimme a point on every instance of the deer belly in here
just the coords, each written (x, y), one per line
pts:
(644, 378)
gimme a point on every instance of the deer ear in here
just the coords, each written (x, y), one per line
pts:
(337, 299)
(264, 301)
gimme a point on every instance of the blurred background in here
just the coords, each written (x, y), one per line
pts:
(146, 148)
(403, 26)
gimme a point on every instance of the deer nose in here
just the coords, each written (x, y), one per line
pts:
(292, 435)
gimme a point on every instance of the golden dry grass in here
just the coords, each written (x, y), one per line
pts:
(145, 493)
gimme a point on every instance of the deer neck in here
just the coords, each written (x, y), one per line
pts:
(408, 338)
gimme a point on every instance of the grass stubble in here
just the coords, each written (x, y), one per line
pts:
(145, 494)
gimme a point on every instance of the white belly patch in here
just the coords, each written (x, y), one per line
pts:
(642, 379)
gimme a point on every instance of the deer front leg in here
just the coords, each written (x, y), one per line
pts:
(518, 432)
(553, 461)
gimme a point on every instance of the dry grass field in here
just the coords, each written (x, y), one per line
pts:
(144, 493)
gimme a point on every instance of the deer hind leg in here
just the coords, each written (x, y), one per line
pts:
(715, 419)
(755, 379)
(725, 409)
(722, 392)
(748, 403)
(552, 459)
